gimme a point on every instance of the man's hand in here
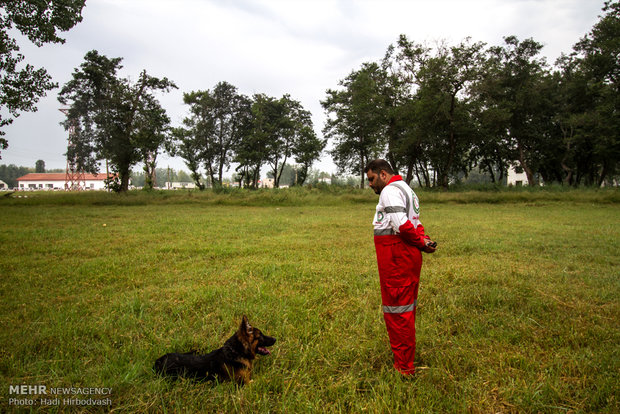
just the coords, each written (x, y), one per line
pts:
(430, 246)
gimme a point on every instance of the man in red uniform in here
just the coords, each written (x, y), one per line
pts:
(399, 240)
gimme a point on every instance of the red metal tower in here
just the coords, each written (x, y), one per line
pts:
(74, 179)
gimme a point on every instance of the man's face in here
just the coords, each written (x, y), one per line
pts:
(377, 181)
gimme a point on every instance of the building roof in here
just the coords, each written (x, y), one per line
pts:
(59, 177)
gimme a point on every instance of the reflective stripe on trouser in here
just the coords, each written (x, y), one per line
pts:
(399, 274)
(400, 309)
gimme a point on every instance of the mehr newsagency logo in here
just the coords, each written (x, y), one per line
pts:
(42, 396)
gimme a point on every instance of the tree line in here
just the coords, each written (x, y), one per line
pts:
(10, 173)
(225, 127)
(121, 121)
(435, 113)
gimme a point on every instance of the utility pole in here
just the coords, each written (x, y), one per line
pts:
(74, 178)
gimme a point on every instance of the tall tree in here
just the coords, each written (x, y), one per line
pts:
(113, 118)
(40, 21)
(189, 148)
(355, 119)
(308, 149)
(514, 83)
(39, 166)
(259, 141)
(10, 173)
(407, 143)
(151, 124)
(445, 107)
(596, 59)
(216, 122)
(291, 134)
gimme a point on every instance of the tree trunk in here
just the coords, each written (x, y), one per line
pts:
(392, 162)
(425, 175)
(443, 177)
(490, 167)
(124, 176)
(281, 171)
(256, 176)
(569, 171)
(196, 178)
(275, 175)
(603, 175)
(410, 173)
(220, 174)
(528, 172)
(362, 166)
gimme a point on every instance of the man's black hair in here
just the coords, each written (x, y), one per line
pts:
(379, 165)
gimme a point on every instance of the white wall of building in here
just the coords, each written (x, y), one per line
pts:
(55, 181)
(516, 179)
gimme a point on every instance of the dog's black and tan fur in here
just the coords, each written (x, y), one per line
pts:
(233, 361)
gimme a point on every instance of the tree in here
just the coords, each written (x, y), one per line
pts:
(514, 84)
(444, 106)
(216, 121)
(40, 21)
(39, 166)
(189, 149)
(113, 118)
(356, 124)
(594, 68)
(9, 174)
(307, 150)
(407, 143)
(291, 134)
(253, 150)
(151, 124)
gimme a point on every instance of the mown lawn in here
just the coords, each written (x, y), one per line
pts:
(518, 311)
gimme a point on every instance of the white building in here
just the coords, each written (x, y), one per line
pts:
(3, 185)
(177, 185)
(516, 176)
(56, 181)
(266, 183)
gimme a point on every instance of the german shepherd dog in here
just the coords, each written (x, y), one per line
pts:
(232, 362)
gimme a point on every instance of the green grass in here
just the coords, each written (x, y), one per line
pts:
(518, 309)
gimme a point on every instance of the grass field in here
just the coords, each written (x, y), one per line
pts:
(519, 309)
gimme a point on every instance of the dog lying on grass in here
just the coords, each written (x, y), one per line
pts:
(232, 362)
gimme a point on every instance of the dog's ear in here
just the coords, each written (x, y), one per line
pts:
(245, 327)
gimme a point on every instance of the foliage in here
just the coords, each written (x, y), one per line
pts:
(39, 166)
(218, 119)
(437, 113)
(10, 173)
(589, 119)
(225, 126)
(112, 118)
(355, 120)
(40, 21)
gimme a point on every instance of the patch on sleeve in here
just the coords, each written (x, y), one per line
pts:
(416, 203)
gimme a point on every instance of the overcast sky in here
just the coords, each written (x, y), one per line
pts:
(300, 47)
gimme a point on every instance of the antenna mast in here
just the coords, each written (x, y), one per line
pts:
(74, 179)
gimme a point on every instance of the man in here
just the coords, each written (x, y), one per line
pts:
(399, 241)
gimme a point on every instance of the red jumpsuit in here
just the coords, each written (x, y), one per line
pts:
(399, 236)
